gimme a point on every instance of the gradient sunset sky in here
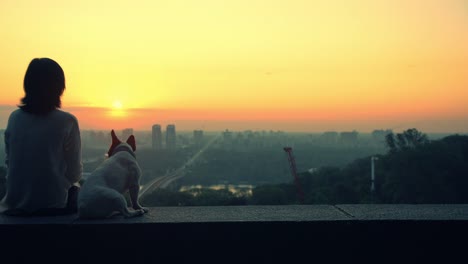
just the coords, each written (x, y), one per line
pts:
(294, 65)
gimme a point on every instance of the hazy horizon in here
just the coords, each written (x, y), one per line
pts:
(143, 119)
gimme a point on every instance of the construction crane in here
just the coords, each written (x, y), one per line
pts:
(292, 165)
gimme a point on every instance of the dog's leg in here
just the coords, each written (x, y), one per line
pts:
(133, 191)
(121, 207)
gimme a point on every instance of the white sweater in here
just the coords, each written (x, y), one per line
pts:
(43, 159)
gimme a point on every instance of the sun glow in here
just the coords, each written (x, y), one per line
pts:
(117, 105)
(117, 110)
(347, 64)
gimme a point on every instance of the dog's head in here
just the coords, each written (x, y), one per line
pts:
(117, 145)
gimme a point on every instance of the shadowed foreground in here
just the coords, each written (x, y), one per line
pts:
(246, 233)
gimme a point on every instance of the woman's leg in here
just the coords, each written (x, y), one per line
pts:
(72, 202)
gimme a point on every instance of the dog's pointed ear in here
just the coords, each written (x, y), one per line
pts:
(115, 142)
(131, 141)
(115, 139)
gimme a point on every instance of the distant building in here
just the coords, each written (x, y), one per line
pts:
(103, 138)
(329, 137)
(126, 133)
(239, 140)
(171, 137)
(227, 136)
(198, 137)
(379, 135)
(156, 137)
(349, 138)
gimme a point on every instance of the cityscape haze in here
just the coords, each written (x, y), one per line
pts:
(215, 91)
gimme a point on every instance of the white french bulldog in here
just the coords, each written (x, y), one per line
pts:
(101, 195)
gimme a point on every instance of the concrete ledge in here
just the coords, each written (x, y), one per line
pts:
(270, 233)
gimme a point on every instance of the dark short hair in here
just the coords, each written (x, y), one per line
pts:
(44, 83)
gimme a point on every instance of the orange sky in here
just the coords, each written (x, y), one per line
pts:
(290, 65)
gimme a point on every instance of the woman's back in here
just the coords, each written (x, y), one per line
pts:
(43, 159)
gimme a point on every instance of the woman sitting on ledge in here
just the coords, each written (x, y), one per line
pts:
(43, 147)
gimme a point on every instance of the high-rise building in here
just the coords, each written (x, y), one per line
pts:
(156, 137)
(170, 137)
(198, 137)
(227, 136)
(349, 138)
(329, 137)
(126, 133)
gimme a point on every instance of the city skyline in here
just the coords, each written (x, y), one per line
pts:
(143, 119)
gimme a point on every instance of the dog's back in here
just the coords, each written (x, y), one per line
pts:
(102, 193)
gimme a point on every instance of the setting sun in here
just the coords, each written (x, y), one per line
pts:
(294, 65)
(117, 105)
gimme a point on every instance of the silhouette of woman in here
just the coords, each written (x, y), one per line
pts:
(43, 147)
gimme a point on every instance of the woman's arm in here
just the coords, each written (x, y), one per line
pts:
(7, 146)
(73, 153)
